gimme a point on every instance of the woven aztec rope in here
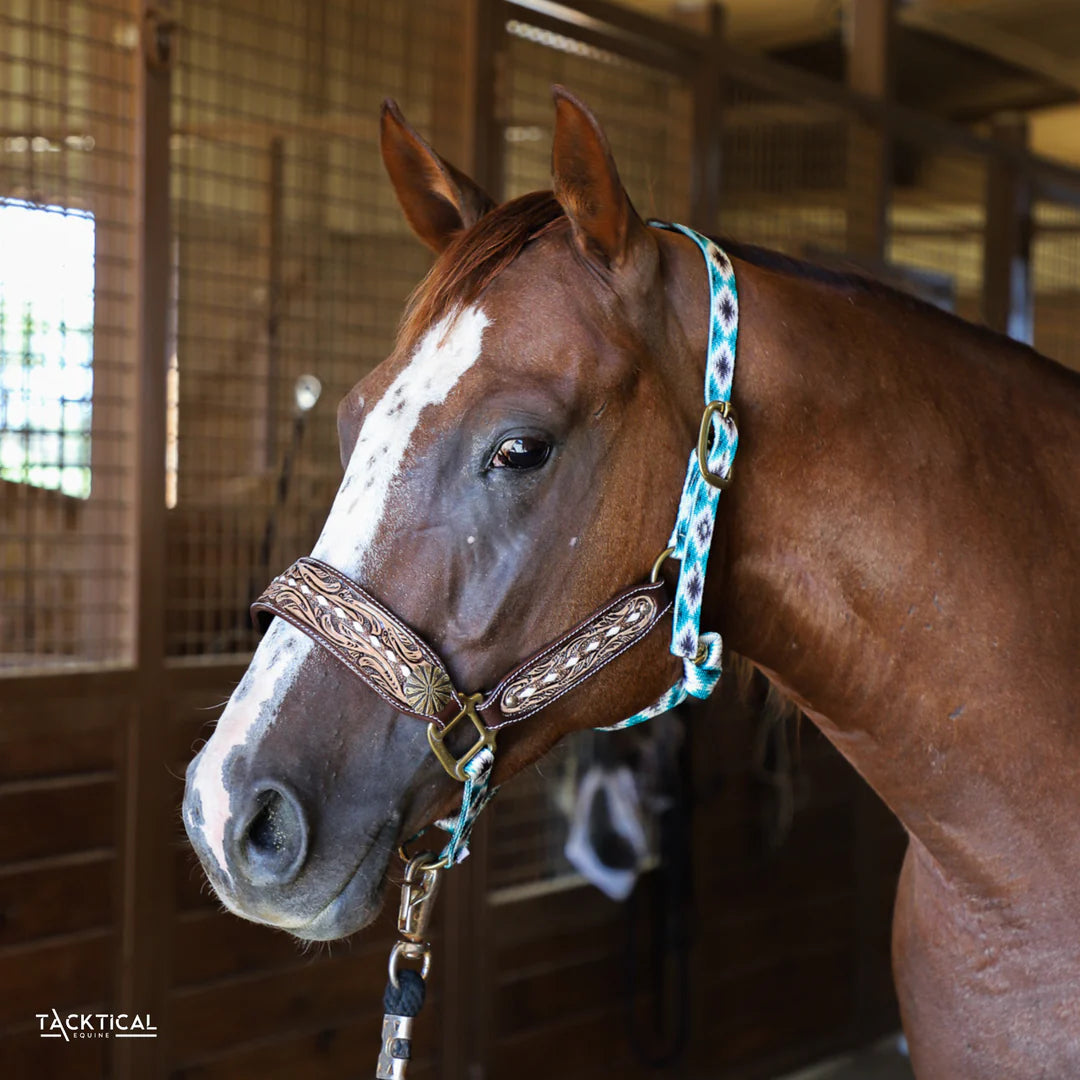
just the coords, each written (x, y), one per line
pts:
(692, 535)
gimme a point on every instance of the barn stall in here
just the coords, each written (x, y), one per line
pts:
(210, 171)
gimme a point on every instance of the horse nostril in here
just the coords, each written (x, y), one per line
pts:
(274, 843)
(267, 831)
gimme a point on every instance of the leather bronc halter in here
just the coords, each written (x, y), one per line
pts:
(404, 670)
(401, 668)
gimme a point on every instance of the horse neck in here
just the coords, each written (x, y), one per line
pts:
(897, 554)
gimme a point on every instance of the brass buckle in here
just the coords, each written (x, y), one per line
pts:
(456, 766)
(727, 413)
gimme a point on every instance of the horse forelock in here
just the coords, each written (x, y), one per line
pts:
(475, 258)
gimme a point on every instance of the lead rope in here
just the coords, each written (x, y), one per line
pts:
(707, 474)
(405, 991)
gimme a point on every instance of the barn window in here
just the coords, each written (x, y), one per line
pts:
(46, 345)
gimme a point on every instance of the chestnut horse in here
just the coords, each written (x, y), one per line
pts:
(898, 554)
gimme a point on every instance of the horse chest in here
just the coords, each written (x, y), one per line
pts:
(984, 995)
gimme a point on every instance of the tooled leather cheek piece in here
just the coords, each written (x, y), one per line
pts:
(405, 671)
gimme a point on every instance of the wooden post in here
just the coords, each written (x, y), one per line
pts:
(709, 87)
(469, 979)
(275, 303)
(145, 932)
(483, 133)
(869, 72)
(1007, 298)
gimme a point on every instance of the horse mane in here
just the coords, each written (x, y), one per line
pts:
(476, 256)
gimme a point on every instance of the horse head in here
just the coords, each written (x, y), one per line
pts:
(513, 464)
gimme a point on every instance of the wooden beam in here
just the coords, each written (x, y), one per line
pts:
(144, 963)
(709, 94)
(483, 132)
(870, 71)
(466, 1003)
(1007, 298)
(981, 35)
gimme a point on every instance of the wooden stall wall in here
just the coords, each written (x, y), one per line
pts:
(290, 258)
(70, 75)
(278, 251)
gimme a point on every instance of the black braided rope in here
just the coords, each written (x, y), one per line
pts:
(407, 998)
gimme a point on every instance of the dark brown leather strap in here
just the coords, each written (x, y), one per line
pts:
(399, 665)
(369, 640)
(566, 663)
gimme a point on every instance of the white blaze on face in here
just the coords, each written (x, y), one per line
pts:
(444, 354)
(442, 357)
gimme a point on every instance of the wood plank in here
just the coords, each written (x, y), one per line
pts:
(210, 945)
(535, 920)
(73, 973)
(25, 1054)
(748, 1016)
(38, 819)
(327, 1051)
(59, 735)
(324, 991)
(541, 999)
(40, 689)
(57, 896)
(584, 1044)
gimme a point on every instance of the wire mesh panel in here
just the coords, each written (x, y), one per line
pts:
(292, 259)
(1055, 259)
(786, 174)
(68, 301)
(937, 223)
(647, 115)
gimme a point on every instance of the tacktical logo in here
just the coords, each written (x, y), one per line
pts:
(95, 1026)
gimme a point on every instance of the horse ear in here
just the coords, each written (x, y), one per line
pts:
(587, 184)
(438, 200)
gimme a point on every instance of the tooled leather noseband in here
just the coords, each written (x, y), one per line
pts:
(402, 668)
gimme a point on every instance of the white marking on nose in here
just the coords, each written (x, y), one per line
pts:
(443, 355)
(273, 670)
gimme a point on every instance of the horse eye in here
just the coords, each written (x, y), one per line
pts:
(521, 452)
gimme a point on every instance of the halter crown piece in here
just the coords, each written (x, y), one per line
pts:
(707, 474)
(403, 669)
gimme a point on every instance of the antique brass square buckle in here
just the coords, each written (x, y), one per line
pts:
(726, 412)
(436, 739)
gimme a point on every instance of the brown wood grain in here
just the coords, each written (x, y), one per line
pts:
(54, 896)
(25, 1054)
(207, 1020)
(55, 816)
(72, 972)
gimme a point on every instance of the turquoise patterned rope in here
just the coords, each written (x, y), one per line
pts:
(691, 539)
(692, 535)
(474, 798)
